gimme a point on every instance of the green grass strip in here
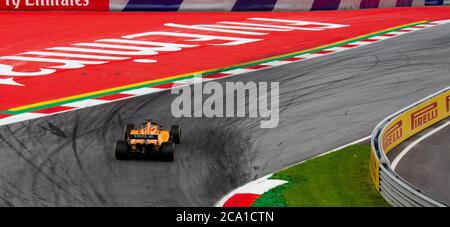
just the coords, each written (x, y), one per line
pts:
(338, 179)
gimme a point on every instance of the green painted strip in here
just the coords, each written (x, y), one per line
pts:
(214, 71)
(89, 97)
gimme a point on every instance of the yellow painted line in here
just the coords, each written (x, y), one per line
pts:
(342, 41)
(100, 92)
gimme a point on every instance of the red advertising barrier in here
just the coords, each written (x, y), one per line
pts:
(54, 5)
(204, 5)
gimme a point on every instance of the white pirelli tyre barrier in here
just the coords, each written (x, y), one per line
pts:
(394, 130)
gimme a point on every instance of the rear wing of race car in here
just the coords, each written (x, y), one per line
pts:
(143, 137)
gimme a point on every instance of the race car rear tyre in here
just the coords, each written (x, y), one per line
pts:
(121, 151)
(127, 130)
(175, 132)
(168, 151)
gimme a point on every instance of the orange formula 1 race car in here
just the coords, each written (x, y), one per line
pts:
(148, 138)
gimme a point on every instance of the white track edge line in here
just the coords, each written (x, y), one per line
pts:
(413, 144)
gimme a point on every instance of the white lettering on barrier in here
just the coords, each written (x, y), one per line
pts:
(16, 3)
(56, 2)
(47, 3)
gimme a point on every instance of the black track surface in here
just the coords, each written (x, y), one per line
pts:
(427, 164)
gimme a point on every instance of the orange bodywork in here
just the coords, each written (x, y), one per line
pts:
(148, 130)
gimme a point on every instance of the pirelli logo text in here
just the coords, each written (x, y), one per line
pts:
(448, 103)
(394, 133)
(424, 116)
